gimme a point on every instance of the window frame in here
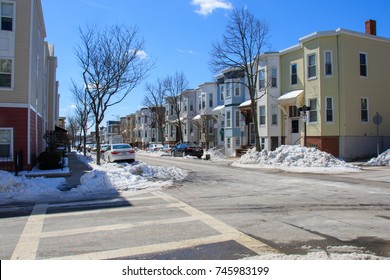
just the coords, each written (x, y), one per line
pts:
(293, 75)
(262, 79)
(329, 109)
(326, 74)
(11, 86)
(228, 119)
(210, 126)
(313, 111)
(211, 97)
(274, 77)
(262, 115)
(5, 16)
(363, 65)
(274, 115)
(366, 109)
(237, 118)
(310, 66)
(11, 144)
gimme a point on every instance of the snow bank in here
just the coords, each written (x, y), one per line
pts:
(22, 188)
(216, 154)
(382, 160)
(114, 177)
(293, 156)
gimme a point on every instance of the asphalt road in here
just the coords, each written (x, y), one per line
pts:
(218, 212)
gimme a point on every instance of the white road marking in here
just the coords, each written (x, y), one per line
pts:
(28, 243)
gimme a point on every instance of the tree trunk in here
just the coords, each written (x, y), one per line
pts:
(97, 137)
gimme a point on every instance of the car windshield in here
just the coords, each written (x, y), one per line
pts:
(121, 146)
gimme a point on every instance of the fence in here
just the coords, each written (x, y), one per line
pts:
(12, 162)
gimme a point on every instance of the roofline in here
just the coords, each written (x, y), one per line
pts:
(337, 32)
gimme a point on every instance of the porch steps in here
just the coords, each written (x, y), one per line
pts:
(243, 150)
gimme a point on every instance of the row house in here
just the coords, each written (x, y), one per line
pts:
(330, 91)
(29, 99)
(340, 79)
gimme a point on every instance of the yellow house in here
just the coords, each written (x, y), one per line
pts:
(342, 79)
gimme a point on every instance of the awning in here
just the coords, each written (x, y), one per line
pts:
(218, 109)
(292, 98)
(245, 104)
(197, 117)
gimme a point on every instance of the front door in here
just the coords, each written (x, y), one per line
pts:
(295, 132)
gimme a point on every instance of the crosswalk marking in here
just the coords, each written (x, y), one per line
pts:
(28, 244)
(27, 247)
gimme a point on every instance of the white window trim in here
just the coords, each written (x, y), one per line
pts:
(291, 65)
(11, 129)
(309, 121)
(276, 77)
(307, 66)
(265, 115)
(12, 75)
(228, 123)
(366, 76)
(326, 109)
(262, 70)
(331, 63)
(274, 108)
(13, 16)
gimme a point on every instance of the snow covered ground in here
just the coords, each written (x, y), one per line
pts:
(382, 160)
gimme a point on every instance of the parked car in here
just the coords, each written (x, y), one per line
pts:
(184, 149)
(167, 148)
(119, 152)
(154, 147)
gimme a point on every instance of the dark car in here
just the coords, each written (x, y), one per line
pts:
(183, 149)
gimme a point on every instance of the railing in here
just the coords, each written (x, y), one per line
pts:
(12, 162)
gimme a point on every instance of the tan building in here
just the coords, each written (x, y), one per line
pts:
(28, 87)
(342, 77)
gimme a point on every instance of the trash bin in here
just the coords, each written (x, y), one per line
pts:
(207, 157)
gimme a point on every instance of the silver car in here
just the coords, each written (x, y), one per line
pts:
(119, 152)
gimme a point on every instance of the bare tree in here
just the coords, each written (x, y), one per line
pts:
(73, 127)
(83, 111)
(154, 100)
(174, 87)
(113, 63)
(243, 41)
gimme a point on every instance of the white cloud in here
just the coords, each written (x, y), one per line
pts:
(207, 7)
(186, 52)
(142, 54)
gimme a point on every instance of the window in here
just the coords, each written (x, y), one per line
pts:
(262, 115)
(328, 63)
(313, 111)
(294, 126)
(294, 74)
(311, 66)
(262, 143)
(6, 143)
(228, 142)
(329, 109)
(237, 90)
(262, 79)
(7, 14)
(293, 111)
(200, 103)
(363, 64)
(237, 118)
(274, 81)
(238, 142)
(222, 90)
(211, 127)
(228, 119)
(364, 109)
(210, 100)
(228, 89)
(185, 105)
(274, 113)
(6, 73)
(203, 101)
(191, 105)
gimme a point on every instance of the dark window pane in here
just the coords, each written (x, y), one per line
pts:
(6, 24)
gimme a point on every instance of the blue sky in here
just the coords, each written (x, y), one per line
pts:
(179, 33)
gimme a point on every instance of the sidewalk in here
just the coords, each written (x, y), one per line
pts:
(77, 169)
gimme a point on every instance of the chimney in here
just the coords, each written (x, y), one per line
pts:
(370, 27)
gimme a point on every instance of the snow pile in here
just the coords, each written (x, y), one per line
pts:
(382, 160)
(20, 188)
(216, 154)
(293, 156)
(114, 177)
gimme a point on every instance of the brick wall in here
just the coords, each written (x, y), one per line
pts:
(329, 144)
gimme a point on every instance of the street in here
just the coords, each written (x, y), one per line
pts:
(217, 212)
